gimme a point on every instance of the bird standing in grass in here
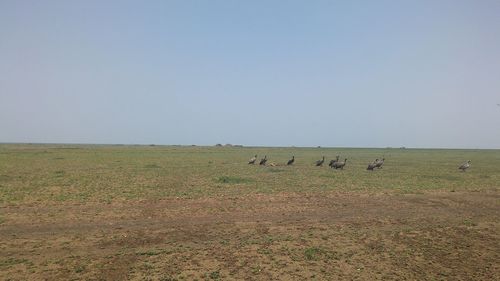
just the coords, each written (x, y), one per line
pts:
(290, 162)
(464, 166)
(379, 163)
(252, 160)
(333, 161)
(372, 165)
(263, 160)
(320, 162)
(339, 165)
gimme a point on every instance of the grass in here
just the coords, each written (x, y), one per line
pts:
(214, 275)
(151, 253)
(312, 253)
(58, 224)
(13, 261)
(97, 173)
(79, 269)
(232, 180)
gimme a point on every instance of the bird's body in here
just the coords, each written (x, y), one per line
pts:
(263, 160)
(290, 162)
(372, 165)
(339, 164)
(464, 166)
(252, 160)
(332, 162)
(320, 162)
(379, 163)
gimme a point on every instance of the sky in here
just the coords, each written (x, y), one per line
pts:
(260, 73)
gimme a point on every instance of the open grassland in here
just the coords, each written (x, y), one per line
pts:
(54, 173)
(184, 213)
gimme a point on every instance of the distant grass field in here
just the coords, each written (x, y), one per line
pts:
(105, 173)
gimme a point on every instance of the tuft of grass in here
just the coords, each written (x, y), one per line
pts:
(469, 222)
(214, 275)
(59, 173)
(256, 269)
(150, 253)
(79, 269)
(232, 180)
(274, 170)
(13, 261)
(151, 166)
(312, 253)
(168, 278)
(147, 266)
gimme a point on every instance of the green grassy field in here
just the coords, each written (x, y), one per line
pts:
(32, 173)
(102, 212)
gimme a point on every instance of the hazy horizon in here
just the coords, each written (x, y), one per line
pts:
(263, 73)
(235, 145)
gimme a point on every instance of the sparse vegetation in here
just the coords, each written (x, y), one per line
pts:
(214, 275)
(233, 180)
(202, 213)
(312, 253)
(126, 173)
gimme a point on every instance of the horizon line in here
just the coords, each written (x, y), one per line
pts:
(227, 145)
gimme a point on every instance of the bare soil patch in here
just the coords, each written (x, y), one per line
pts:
(285, 236)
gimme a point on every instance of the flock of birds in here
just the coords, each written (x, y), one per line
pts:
(336, 164)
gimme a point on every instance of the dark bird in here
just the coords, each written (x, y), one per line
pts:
(252, 160)
(464, 166)
(372, 165)
(263, 160)
(320, 162)
(379, 163)
(339, 165)
(290, 162)
(333, 161)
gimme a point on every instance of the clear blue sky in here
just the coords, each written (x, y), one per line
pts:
(271, 73)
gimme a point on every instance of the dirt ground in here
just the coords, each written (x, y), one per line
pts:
(287, 236)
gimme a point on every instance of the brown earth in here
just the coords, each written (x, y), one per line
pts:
(289, 236)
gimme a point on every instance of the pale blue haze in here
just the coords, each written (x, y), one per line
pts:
(270, 73)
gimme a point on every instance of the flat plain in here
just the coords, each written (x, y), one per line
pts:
(113, 212)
